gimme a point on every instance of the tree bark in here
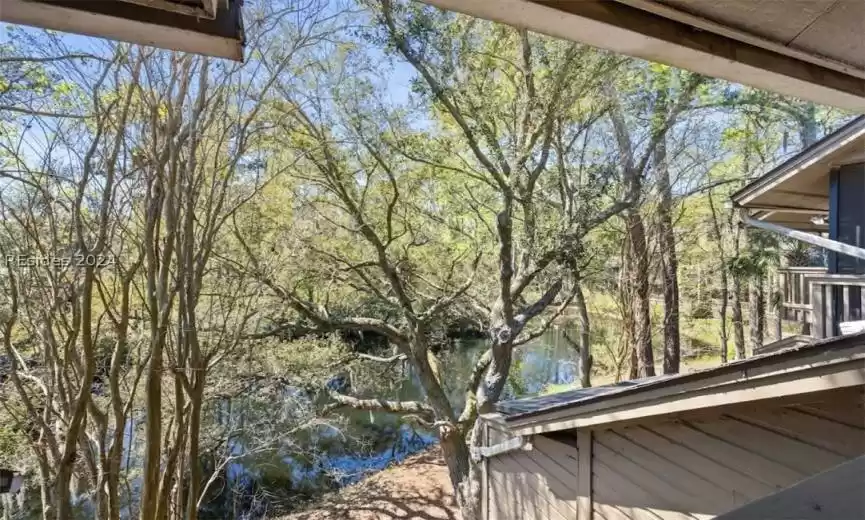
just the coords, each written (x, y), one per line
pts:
(756, 314)
(722, 271)
(464, 475)
(669, 262)
(638, 272)
(773, 305)
(738, 325)
(584, 340)
(808, 125)
(722, 314)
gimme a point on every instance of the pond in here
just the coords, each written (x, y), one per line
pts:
(263, 478)
(328, 457)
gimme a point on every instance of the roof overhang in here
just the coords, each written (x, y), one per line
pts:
(795, 194)
(820, 366)
(210, 27)
(812, 50)
(834, 493)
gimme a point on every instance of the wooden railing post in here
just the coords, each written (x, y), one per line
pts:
(845, 298)
(820, 300)
(818, 320)
(829, 306)
(803, 294)
(778, 301)
(585, 471)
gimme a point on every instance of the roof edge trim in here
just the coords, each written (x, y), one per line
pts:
(789, 168)
(835, 354)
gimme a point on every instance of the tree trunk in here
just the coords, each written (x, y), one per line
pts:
(153, 435)
(722, 270)
(756, 316)
(754, 340)
(584, 341)
(773, 305)
(808, 125)
(638, 273)
(738, 325)
(49, 510)
(195, 474)
(464, 475)
(722, 314)
(762, 322)
(669, 263)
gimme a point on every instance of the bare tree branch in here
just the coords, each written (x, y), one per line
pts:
(377, 405)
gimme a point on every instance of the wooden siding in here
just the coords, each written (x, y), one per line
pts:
(694, 466)
(540, 484)
(699, 467)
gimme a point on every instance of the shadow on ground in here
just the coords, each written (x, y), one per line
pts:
(418, 488)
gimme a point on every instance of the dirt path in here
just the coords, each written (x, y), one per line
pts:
(418, 488)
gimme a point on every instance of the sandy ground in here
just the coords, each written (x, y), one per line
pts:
(418, 488)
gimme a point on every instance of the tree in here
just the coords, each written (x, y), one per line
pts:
(115, 227)
(663, 113)
(384, 227)
(57, 226)
(718, 236)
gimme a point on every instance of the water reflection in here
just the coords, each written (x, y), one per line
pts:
(330, 456)
(268, 458)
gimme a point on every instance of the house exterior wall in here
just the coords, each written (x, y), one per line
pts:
(847, 216)
(694, 466)
(538, 484)
(847, 225)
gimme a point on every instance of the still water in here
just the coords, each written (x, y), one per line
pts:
(330, 457)
(312, 456)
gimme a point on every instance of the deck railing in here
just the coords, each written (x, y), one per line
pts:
(833, 301)
(820, 301)
(796, 295)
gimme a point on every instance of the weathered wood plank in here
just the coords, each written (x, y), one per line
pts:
(728, 453)
(667, 494)
(586, 461)
(556, 490)
(501, 499)
(616, 494)
(563, 466)
(798, 456)
(818, 318)
(734, 485)
(509, 497)
(846, 315)
(838, 438)
(533, 489)
(848, 409)
(514, 444)
(516, 500)
(676, 483)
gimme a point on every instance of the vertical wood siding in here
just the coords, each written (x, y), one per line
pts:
(540, 484)
(700, 467)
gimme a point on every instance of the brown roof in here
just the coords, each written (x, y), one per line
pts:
(575, 399)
